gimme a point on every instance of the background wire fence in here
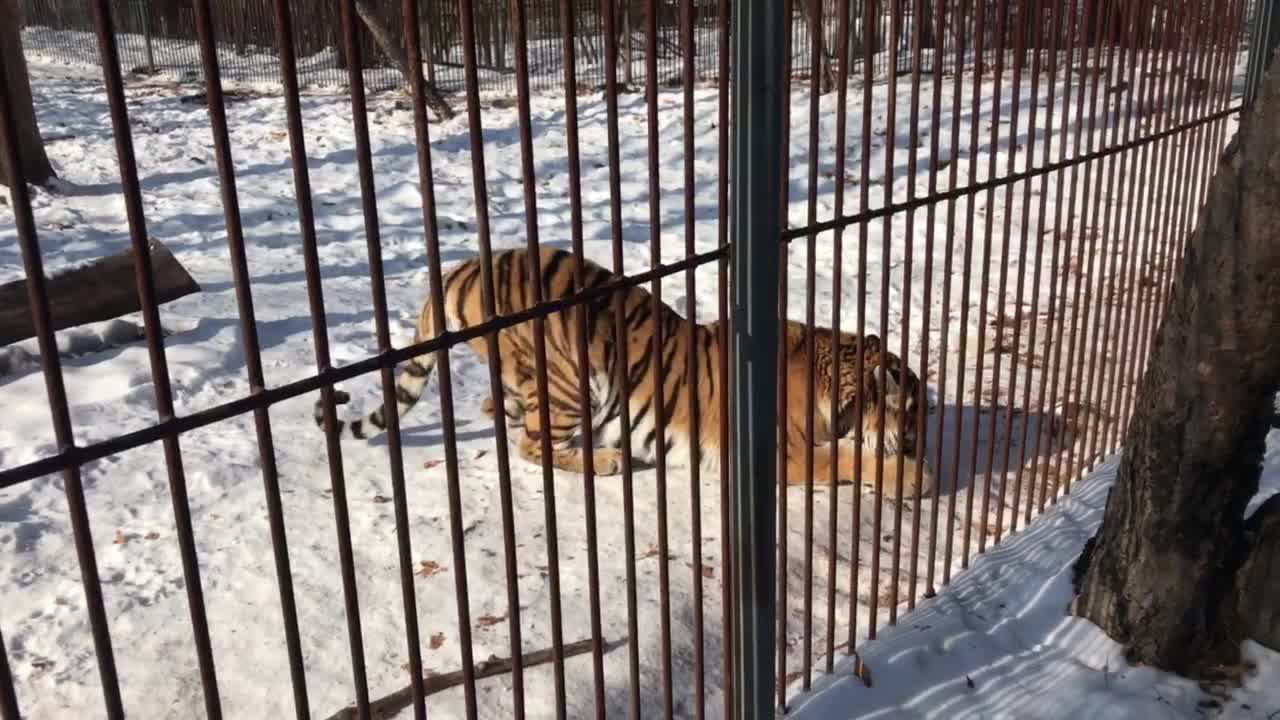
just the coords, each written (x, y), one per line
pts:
(161, 36)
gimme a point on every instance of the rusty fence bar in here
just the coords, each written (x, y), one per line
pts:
(1034, 10)
(622, 377)
(1111, 122)
(693, 399)
(842, 122)
(8, 694)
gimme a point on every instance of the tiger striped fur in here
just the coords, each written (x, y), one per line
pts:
(463, 309)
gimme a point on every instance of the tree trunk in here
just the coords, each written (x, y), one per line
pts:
(927, 39)
(1161, 574)
(35, 164)
(382, 37)
(1258, 582)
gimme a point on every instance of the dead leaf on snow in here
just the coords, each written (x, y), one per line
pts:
(490, 620)
(427, 568)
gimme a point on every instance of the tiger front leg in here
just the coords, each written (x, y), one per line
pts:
(855, 463)
(511, 403)
(916, 476)
(566, 453)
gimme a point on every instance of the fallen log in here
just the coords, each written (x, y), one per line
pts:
(389, 705)
(101, 290)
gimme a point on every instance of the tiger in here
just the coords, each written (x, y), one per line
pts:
(464, 308)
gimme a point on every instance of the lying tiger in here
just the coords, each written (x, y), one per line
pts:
(463, 308)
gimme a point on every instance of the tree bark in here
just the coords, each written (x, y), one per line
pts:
(35, 163)
(1161, 574)
(383, 39)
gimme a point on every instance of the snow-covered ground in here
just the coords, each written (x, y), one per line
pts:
(998, 643)
(42, 617)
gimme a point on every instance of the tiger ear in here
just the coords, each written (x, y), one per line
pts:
(891, 386)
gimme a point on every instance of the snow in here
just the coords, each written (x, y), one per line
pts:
(110, 391)
(998, 642)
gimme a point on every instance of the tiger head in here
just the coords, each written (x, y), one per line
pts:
(900, 395)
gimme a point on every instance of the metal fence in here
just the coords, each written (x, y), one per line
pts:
(1096, 130)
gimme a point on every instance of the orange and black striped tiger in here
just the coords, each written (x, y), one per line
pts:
(463, 309)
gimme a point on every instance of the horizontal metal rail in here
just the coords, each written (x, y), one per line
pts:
(75, 455)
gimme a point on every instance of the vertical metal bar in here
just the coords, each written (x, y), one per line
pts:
(38, 301)
(727, 567)
(1096, 379)
(1053, 330)
(1068, 388)
(252, 351)
(837, 294)
(110, 60)
(783, 449)
(466, 21)
(988, 232)
(1038, 44)
(390, 412)
(859, 342)
(1086, 361)
(1147, 94)
(1128, 290)
(755, 172)
(949, 253)
(1103, 202)
(567, 20)
(890, 140)
(8, 696)
(922, 400)
(659, 404)
(622, 364)
(970, 211)
(913, 142)
(692, 363)
(319, 326)
(539, 345)
(815, 70)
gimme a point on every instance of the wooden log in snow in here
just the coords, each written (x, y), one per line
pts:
(101, 290)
